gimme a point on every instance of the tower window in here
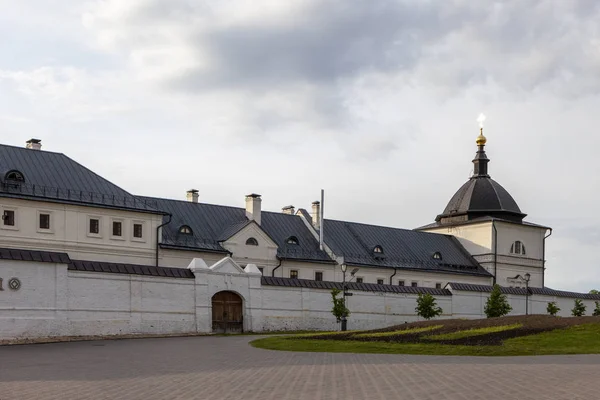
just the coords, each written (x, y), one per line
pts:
(518, 248)
(185, 230)
(251, 242)
(292, 240)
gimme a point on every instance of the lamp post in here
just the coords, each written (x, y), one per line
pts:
(527, 278)
(344, 321)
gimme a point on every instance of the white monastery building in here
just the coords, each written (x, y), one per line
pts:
(81, 256)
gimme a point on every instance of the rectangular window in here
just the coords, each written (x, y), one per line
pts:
(414, 284)
(117, 228)
(318, 276)
(8, 217)
(294, 274)
(44, 221)
(400, 283)
(380, 281)
(438, 285)
(94, 226)
(359, 280)
(137, 230)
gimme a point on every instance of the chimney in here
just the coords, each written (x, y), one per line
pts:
(316, 214)
(290, 210)
(253, 201)
(192, 196)
(34, 144)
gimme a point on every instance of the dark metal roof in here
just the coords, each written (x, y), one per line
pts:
(402, 248)
(55, 177)
(213, 224)
(132, 269)
(34, 255)
(365, 287)
(467, 287)
(559, 293)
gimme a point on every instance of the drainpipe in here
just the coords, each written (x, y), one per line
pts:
(395, 270)
(544, 258)
(495, 249)
(158, 233)
(278, 265)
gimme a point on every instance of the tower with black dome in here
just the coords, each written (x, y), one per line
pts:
(487, 220)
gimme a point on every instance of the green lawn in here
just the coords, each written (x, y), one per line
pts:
(581, 339)
(401, 332)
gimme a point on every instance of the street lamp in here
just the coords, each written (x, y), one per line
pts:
(527, 278)
(344, 321)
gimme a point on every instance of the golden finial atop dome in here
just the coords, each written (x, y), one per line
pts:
(481, 140)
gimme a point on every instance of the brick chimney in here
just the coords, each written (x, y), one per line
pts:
(316, 214)
(253, 202)
(192, 195)
(34, 144)
(290, 210)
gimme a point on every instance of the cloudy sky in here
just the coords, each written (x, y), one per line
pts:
(375, 102)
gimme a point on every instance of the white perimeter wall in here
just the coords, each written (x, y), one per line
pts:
(53, 301)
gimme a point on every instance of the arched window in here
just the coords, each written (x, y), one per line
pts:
(185, 230)
(15, 176)
(292, 240)
(251, 242)
(378, 250)
(437, 255)
(518, 248)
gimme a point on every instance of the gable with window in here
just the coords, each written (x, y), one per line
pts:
(251, 242)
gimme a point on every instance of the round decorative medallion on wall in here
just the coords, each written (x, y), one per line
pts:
(14, 284)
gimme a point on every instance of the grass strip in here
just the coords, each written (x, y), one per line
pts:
(472, 332)
(401, 332)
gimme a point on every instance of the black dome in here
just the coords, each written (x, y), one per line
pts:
(481, 196)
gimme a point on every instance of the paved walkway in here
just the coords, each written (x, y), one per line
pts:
(218, 368)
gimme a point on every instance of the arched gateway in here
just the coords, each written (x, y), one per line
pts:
(227, 313)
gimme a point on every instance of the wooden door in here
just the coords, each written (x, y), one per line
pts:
(227, 313)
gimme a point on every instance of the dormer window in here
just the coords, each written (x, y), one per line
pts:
(251, 242)
(292, 240)
(518, 248)
(185, 230)
(437, 255)
(14, 176)
(378, 250)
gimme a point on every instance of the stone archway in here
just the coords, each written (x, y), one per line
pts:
(227, 313)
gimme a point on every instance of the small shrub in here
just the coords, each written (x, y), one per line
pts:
(339, 308)
(497, 305)
(579, 309)
(597, 309)
(427, 307)
(552, 308)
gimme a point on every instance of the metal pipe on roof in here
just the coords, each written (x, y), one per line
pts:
(495, 249)
(158, 235)
(278, 265)
(321, 219)
(544, 258)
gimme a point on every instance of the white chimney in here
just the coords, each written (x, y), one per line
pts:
(316, 214)
(192, 195)
(290, 210)
(253, 201)
(34, 144)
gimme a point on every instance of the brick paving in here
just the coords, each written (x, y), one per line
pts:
(218, 368)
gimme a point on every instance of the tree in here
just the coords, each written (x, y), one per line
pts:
(597, 309)
(497, 305)
(339, 308)
(594, 291)
(552, 308)
(579, 309)
(427, 307)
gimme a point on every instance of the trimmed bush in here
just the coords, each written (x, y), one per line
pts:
(497, 305)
